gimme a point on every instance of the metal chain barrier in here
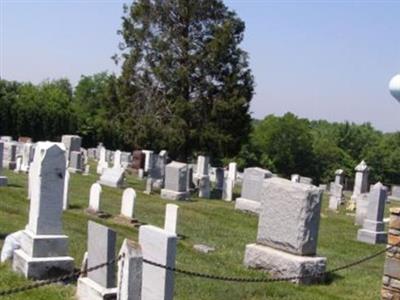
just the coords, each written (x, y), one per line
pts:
(264, 280)
(71, 276)
(75, 275)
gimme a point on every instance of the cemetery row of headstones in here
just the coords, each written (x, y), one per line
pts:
(42, 250)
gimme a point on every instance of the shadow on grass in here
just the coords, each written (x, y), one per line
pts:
(75, 206)
(15, 185)
(3, 235)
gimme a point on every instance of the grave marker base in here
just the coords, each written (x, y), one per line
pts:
(282, 264)
(248, 205)
(173, 195)
(372, 237)
(3, 181)
(87, 289)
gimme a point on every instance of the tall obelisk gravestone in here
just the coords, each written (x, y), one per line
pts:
(44, 249)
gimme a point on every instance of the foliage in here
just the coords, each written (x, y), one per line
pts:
(185, 84)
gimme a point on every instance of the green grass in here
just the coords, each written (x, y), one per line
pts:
(212, 222)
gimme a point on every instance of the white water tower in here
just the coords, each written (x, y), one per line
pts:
(394, 87)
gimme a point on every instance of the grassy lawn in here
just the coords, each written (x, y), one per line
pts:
(212, 222)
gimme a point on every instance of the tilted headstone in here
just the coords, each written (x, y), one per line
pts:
(3, 179)
(252, 186)
(76, 162)
(202, 165)
(130, 271)
(72, 143)
(43, 246)
(171, 218)
(336, 196)
(158, 246)
(101, 247)
(288, 231)
(175, 182)
(339, 176)
(94, 197)
(128, 203)
(373, 231)
(113, 177)
(157, 170)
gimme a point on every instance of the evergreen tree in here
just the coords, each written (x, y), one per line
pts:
(185, 85)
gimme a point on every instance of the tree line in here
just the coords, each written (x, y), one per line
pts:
(186, 86)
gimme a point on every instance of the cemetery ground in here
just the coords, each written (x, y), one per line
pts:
(200, 221)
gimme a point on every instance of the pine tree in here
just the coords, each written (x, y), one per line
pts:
(185, 84)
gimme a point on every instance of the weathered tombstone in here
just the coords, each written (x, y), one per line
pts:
(3, 179)
(138, 159)
(252, 186)
(288, 232)
(128, 203)
(94, 197)
(157, 170)
(306, 180)
(202, 165)
(113, 177)
(149, 186)
(336, 196)
(18, 164)
(27, 156)
(117, 159)
(175, 182)
(171, 218)
(75, 163)
(232, 171)
(87, 170)
(72, 143)
(219, 178)
(295, 178)
(227, 189)
(102, 163)
(339, 176)
(130, 271)
(66, 190)
(361, 181)
(10, 155)
(395, 193)
(158, 246)
(373, 231)
(361, 208)
(204, 186)
(100, 283)
(148, 159)
(44, 248)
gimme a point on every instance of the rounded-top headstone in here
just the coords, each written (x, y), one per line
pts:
(394, 87)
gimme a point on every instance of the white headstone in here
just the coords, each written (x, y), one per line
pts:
(171, 218)
(94, 198)
(158, 246)
(232, 172)
(128, 203)
(117, 159)
(112, 177)
(227, 191)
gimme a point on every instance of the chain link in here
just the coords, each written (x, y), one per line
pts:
(71, 276)
(75, 275)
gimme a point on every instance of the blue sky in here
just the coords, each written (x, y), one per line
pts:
(318, 59)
